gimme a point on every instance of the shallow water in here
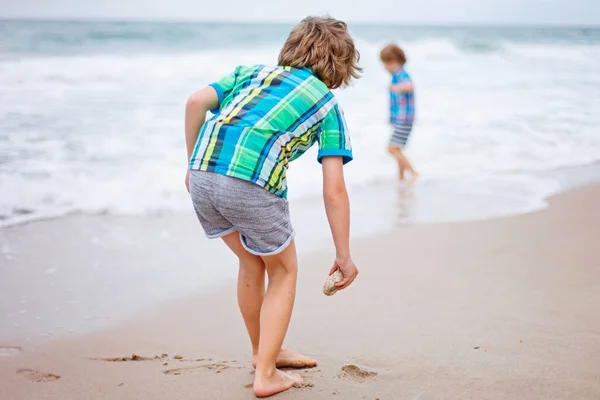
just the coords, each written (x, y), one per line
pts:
(91, 113)
(80, 273)
(91, 123)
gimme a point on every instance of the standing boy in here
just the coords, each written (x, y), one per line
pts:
(402, 107)
(266, 117)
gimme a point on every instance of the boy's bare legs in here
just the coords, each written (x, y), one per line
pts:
(403, 164)
(258, 312)
(250, 292)
(275, 315)
(401, 169)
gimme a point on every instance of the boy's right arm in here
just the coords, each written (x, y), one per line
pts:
(337, 207)
(403, 87)
(195, 114)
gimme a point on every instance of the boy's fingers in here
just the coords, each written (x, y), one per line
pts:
(340, 284)
(353, 278)
(346, 284)
(343, 284)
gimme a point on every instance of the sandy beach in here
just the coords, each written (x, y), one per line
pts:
(499, 309)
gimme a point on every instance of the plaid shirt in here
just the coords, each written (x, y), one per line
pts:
(402, 105)
(267, 117)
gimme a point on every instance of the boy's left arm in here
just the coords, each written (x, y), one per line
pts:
(196, 108)
(208, 99)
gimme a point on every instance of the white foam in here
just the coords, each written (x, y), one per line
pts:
(104, 133)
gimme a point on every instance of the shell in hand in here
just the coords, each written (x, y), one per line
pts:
(329, 287)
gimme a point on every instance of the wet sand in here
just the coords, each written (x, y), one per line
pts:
(500, 309)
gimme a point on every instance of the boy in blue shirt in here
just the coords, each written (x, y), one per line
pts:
(402, 107)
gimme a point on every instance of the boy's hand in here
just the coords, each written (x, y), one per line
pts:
(348, 269)
(187, 180)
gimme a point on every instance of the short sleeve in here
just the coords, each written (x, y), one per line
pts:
(401, 77)
(333, 138)
(223, 87)
(404, 78)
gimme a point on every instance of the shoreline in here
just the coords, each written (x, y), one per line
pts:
(563, 179)
(169, 233)
(504, 307)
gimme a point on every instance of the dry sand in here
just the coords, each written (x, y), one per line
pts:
(502, 309)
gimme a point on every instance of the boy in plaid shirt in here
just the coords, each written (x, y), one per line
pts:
(264, 118)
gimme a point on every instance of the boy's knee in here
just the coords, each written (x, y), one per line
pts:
(282, 264)
(395, 151)
(281, 267)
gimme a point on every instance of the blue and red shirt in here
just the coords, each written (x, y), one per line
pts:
(402, 105)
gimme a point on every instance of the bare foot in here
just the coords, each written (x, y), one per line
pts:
(413, 177)
(279, 382)
(401, 174)
(290, 359)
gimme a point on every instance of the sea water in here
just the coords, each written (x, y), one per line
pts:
(91, 115)
(91, 122)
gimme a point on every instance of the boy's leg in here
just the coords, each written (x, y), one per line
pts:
(401, 168)
(251, 287)
(275, 316)
(413, 174)
(251, 290)
(397, 154)
(403, 163)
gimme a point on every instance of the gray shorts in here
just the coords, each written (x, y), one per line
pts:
(225, 204)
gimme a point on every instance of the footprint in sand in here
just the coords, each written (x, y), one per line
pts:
(133, 357)
(217, 367)
(303, 385)
(37, 376)
(164, 358)
(356, 373)
(9, 350)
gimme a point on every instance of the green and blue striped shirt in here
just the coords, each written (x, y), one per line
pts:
(267, 117)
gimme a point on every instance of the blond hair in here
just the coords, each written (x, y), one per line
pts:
(324, 45)
(392, 52)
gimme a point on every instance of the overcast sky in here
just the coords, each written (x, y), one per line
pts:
(571, 12)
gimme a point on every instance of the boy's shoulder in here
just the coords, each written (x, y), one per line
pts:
(401, 74)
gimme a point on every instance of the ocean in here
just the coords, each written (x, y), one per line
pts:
(91, 115)
(91, 123)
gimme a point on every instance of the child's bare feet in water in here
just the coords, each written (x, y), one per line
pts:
(413, 177)
(290, 359)
(278, 382)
